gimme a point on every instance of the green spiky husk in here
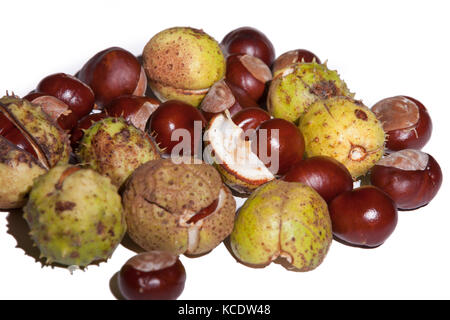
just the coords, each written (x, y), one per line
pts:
(75, 218)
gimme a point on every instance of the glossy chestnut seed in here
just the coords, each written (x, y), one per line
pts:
(12, 133)
(70, 90)
(280, 137)
(113, 72)
(411, 177)
(365, 216)
(247, 40)
(292, 57)
(406, 122)
(153, 275)
(249, 73)
(85, 123)
(250, 118)
(135, 109)
(324, 174)
(175, 122)
(225, 96)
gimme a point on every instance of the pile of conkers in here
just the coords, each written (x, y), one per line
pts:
(287, 133)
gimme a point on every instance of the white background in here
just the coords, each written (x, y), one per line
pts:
(381, 49)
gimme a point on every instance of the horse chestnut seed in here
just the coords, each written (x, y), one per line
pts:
(365, 216)
(293, 57)
(280, 136)
(249, 73)
(135, 109)
(324, 174)
(247, 40)
(173, 122)
(406, 122)
(250, 118)
(113, 72)
(224, 95)
(411, 177)
(153, 275)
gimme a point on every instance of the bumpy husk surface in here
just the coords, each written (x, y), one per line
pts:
(75, 216)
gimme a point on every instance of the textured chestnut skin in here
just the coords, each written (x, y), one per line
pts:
(240, 76)
(365, 216)
(290, 143)
(164, 284)
(250, 118)
(248, 40)
(409, 189)
(70, 90)
(324, 174)
(85, 123)
(415, 137)
(172, 115)
(111, 73)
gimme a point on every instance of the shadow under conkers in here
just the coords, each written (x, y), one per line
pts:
(19, 229)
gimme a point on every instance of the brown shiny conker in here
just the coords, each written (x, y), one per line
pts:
(248, 40)
(135, 109)
(293, 57)
(406, 122)
(411, 177)
(365, 216)
(324, 174)
(224, 95)
(282, 137)
(153, 275)
(113, 72)
(171, 116)
(70, 90)
(250, 118)
(248, 73)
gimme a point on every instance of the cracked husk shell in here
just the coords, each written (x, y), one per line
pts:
(182, 58)
(232, 155)
(18, 168)
(346, 130)
(297, 86)
(115, 148)
(282, 220)
(75, 216)
(162, 197)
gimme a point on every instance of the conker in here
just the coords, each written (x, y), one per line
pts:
(135, 109)
(10, 132)
(224, 95)
(171, 116)
(113, 72)
(247, 40)
(85, 123)
(70, 90)
(324, 174)
(154, 275)
(288, 142)
(249, 73)
(365, 216)
(293, 57)
(406, 122)
(411, 177)
(250, 118)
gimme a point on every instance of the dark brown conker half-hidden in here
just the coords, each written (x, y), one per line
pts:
(406, 122)
(411, 177)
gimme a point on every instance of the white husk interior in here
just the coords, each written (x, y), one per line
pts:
(231, 149)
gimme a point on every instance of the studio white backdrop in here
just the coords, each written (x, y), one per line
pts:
(381, 49)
